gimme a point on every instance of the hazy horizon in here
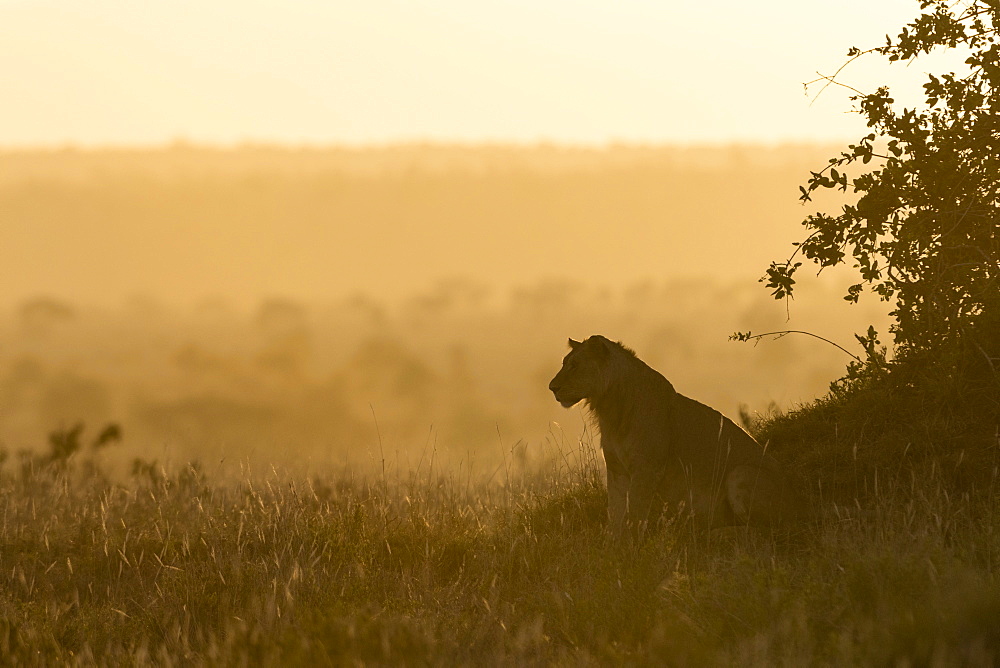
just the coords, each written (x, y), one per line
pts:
(242, 224)
(187, 223)
(231, 298)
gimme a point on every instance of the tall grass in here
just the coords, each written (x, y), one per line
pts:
(430, 567)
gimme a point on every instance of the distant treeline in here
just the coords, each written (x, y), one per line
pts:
(185, 223)
(457, 370)
(181, 158)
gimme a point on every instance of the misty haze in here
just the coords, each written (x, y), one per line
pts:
(461, 333)
(276, 304)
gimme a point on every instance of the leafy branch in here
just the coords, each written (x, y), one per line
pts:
(750, 336)
(924, 231)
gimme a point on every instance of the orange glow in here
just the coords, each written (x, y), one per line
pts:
(113, 72)
(234, 225)
(220, 302)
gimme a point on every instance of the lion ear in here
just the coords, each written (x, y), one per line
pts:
(574, 344)
(606, 346)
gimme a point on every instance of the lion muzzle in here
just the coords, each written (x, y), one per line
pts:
(563, 400)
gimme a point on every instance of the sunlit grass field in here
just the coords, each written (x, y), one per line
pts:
(426, 566)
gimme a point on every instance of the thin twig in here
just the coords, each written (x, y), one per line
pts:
(799, 331)
(831, 79)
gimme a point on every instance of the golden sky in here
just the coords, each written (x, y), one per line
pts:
(97, 72)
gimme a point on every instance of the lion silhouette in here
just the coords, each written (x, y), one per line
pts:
(664, 451)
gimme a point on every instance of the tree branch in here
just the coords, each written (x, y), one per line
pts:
(738, 336)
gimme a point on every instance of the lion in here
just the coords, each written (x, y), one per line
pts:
(664, 451)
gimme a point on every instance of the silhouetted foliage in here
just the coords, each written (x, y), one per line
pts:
(111, 433)
(65, 442)
(923, 231)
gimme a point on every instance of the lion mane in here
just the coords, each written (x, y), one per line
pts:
(664, 451)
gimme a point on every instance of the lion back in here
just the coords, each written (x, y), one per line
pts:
(724, 462)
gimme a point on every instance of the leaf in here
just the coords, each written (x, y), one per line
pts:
(922, 227)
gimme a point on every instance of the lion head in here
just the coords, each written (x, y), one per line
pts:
(584, 371)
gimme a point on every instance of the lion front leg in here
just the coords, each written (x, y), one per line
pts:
(631, 498)
(644, 504)
(618, 497)
(618, 493)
